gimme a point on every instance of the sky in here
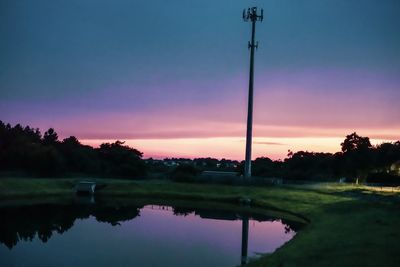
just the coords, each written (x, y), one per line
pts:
(171, 77)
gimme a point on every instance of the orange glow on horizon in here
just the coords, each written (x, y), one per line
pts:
(229, 147)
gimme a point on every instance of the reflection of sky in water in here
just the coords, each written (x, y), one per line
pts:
(156, 237)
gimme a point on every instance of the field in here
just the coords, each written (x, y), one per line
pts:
(348, 225)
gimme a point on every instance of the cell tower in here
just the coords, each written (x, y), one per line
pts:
(250, 15)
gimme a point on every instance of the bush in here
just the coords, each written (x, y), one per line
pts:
(383, 178)
(184, 173)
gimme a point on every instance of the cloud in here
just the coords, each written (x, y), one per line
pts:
(269, 143)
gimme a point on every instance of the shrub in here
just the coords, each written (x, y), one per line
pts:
(184, 173)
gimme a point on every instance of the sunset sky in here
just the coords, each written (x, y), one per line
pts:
(171, 77)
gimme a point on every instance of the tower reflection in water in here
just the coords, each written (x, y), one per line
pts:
(245, 239)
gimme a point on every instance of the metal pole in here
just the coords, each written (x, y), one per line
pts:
(251, 15)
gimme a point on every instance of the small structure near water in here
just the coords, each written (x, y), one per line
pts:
(85, 187)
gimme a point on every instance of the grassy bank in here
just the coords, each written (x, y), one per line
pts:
(348, 225)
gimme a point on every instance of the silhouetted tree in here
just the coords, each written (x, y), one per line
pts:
(385, 155)
(79, 158)
(357, 156)
(50, 137)
(306, 165)
(121, 160)
(71, 141)
(264, 167)
(354, 142)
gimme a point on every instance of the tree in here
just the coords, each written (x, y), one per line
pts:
(50, 137)
(306, 165)
(184, 173)
(357, 154)
(121, 160)
(264, 167)
(354, 142)
(385, 155)
(71, 141)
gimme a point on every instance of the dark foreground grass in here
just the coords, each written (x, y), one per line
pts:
(348, 225)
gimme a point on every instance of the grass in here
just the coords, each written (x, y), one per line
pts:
(348, 225)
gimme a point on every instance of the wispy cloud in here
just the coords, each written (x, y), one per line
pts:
(269, 143)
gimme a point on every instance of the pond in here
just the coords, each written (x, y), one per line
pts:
(138, 234)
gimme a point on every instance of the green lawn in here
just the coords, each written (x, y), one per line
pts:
(348, 225)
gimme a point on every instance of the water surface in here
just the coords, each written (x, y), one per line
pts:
(76, 234)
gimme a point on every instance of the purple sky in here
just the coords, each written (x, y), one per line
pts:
(175, 73)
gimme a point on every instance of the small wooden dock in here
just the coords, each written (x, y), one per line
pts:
(85, 187)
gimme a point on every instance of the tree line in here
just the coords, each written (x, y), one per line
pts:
(25, 149)
(357, 161)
